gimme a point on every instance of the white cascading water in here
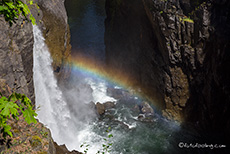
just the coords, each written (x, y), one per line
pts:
(68, 121)
(46, 90)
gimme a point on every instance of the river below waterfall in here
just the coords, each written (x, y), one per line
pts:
(68, 110)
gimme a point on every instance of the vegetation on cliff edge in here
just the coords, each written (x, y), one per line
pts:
(12, 9)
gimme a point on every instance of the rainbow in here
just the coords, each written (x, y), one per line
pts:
(92, 68)
(97, 70)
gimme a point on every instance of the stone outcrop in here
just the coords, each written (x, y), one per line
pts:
(16, 56)
(146, 112)
(102, 107)
(146, 108)
(178, 52)
(61, 149)
(53, 21)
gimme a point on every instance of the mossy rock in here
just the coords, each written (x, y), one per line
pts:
(36, 142)
(42, 152)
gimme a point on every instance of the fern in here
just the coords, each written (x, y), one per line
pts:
(10, 107)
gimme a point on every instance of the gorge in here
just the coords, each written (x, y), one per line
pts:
(172, 54)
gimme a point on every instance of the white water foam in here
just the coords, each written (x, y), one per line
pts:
(99, 91)
(131, 126)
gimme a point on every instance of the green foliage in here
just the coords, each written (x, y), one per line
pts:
(106, 147)
(44, 133)
(188, 20)
(86, 147)
(10, 107)
(12, 9)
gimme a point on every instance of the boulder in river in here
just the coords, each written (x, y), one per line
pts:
(100, 108)
(146, 108)
(109, 105)
(146, 112)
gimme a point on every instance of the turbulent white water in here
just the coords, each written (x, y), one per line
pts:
(99, 91)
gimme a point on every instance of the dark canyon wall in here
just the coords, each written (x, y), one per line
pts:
(182, 63)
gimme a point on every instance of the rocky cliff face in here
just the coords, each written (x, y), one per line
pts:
(16, 57)
(180, 62)
(52, 19)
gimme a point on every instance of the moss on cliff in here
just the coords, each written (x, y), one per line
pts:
(57, 37)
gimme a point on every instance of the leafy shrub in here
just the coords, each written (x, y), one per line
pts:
(10, 107)
(11, 9)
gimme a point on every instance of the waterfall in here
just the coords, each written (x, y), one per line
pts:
(68, 119)
(48, 96)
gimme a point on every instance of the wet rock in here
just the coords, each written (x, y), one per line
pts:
(146, 109)
(146, 112)
(109, 105)
(145, 117)
(61, 149)
(100, 108)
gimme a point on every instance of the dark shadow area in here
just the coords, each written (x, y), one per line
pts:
(86, 20)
